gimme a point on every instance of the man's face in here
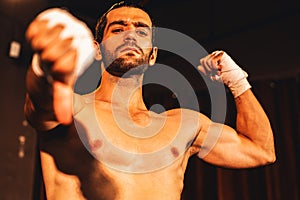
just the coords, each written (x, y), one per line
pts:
(127, 42)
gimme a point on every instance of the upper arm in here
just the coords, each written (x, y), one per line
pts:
(223, 146)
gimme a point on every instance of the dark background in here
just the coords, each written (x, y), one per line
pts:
(262, 36)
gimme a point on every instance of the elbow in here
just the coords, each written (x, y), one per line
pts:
(267, 157)
(271, 158)
(263, 156)
(263, 160)
(268, 154)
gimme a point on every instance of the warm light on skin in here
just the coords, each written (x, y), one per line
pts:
(128, 22)
(133, 17)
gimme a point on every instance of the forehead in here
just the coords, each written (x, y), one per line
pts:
(129, 14)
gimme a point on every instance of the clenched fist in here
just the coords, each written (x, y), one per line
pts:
(220, 67)
(63, 47)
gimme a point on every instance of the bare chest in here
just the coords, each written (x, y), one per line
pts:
(135, 144)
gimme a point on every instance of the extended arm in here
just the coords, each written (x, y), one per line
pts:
(252, 143)
(63, 49)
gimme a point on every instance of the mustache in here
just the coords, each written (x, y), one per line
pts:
(130, 44)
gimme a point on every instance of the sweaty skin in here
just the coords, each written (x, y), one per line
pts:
(72, 164)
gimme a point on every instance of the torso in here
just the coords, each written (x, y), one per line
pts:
(111, 159)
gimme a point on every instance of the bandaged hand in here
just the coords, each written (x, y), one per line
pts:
(62, 40)
(220, 67)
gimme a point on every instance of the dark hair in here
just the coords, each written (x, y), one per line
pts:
(102, 21)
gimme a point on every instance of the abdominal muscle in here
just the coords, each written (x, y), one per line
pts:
(164, 184)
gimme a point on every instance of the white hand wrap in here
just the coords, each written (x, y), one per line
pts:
(232, 75)
(76, 29)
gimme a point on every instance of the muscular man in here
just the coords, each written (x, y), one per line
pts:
(107, 144)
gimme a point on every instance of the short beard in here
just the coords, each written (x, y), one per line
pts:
(120, 68)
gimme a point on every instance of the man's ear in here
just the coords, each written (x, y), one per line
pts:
(98, 55)
(153, 56)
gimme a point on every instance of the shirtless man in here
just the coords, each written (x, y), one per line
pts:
(100, 145)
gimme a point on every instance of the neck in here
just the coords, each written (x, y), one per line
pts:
(124, 93)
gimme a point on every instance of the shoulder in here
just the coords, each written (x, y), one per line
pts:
(81, 101)
(191, 119)
(188, 115)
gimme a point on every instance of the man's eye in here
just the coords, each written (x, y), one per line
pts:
(142, 32)
(117, 30)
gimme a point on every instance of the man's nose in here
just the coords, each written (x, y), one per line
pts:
(130, 35)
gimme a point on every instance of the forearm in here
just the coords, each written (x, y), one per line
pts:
(38, 106)
(253, 123)
(251, 143)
